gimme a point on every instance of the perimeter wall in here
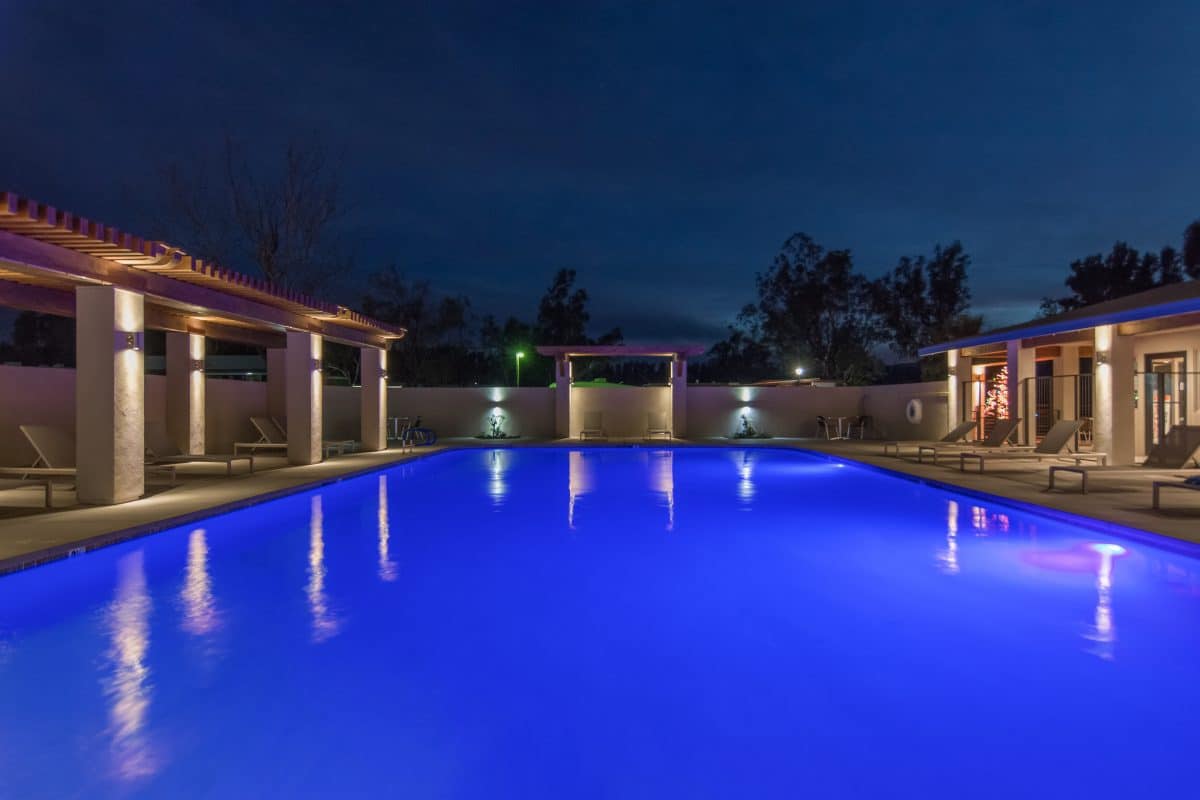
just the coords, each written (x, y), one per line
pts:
(46, 396)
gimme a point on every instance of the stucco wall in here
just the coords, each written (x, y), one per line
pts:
(46, 395)
(624, 409)
(793, 410)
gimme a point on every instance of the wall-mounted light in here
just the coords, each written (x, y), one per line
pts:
(383, 376)
(316, 365)
(952, 370)
(129, 340)
(197, 365)
(1102, 357)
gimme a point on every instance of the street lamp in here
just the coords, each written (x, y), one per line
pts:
(520, 355)
(799, 371)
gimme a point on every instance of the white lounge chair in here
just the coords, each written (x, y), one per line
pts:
(270, 438)
(161, 449)
(657, 427)
(55, 456)
(1052, 446)
(44, 483)
(958, 434)
(593, 426)
(271, 435)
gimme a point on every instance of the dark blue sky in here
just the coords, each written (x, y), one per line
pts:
(664, 152)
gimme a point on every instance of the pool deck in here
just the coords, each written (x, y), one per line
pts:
(30, 535)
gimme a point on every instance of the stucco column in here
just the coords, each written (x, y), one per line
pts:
(562, 396)
(304, 388)
(373, 366)
(110, 411)
(679, 396)
(1112, 395)
(276, 382)
(185, 391)
(958, 370)
(1021, 366)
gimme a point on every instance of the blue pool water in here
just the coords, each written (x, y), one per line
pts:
(607, 623)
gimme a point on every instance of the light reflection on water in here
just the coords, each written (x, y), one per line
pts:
(387, 567)
(199, 606)
(128, 687)
(324, 623)
(745, 468)
(948, 557)
(1103, 630)
(662, 480)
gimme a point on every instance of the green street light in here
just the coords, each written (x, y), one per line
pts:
(520, 355)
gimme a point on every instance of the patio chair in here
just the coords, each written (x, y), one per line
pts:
(823, 428)
(593, 426)
(958, 434)
(1192, 483)
(1002, 430)
(858, 424)
(161, 449)
(656, 426)
(1171, 454)
(1052, 445)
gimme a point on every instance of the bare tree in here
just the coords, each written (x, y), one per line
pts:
(282, 222)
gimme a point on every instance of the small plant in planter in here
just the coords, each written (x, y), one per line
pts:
(495, 428)
(748, 431)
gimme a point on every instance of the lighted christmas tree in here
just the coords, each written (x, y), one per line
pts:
(995, 402)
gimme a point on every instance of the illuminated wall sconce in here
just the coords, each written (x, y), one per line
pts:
(1102, 357)
(316, 365)
(126, 340)
(197, 365)
(952, 370)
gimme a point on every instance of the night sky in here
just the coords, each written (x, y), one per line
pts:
(664, 152)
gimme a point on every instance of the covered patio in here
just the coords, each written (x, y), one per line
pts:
(674, 407)
(116, 287)
(1126, 368)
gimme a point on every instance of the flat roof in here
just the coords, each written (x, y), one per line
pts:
(1161, 301)
(45, 253)
(623, 350)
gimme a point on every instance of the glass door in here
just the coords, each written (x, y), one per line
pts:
(1166, 394)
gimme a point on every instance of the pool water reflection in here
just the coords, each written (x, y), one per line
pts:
(606, 622)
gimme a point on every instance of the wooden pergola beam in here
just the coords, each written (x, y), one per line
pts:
(39, 259)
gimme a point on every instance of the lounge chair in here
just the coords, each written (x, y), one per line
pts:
(1192, 483)
(1002, 430)
(45, 483)
(273, 436)
(55, 456)
(1052, 445)
(270, 437)
(160, 450)
(958, 434)
(1171, 454)
(593, 426)
(656, 426)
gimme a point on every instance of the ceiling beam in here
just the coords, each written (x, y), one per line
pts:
(35, 258)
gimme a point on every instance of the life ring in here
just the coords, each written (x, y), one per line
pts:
(914, 411)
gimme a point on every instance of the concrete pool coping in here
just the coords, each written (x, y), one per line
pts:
(41, 537)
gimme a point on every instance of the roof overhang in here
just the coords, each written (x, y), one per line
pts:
(622, 350)
(1053, 326)
(45, 254)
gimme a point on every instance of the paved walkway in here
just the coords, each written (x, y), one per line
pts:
(30, 535)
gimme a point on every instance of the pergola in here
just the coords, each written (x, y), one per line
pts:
(117, 285)
(678, 354)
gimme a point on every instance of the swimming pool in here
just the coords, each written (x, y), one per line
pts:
(607, 622)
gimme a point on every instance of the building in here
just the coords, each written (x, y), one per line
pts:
(1127, 367)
